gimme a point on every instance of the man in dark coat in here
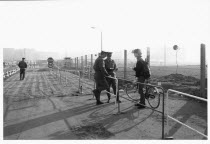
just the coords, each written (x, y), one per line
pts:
(99, 76)
(139, 69)
(111, 67)
(22, 65)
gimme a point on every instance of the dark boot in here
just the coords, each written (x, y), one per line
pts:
(141, 107)
(98, 102)
(97, 95)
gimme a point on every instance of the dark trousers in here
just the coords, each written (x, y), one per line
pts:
(141, 79)
(22, 74)
(112, 82)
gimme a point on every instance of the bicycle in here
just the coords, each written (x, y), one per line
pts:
(152, 94)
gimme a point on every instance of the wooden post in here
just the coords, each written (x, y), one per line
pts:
(203, 71)
(91, 62)
(85, 60)
(77, 62)
(91, 66)
(125, 64)
(81, 62)
(148, 56)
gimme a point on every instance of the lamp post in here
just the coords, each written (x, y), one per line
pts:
(101, 37)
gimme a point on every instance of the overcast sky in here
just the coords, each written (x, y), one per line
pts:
(65, 26)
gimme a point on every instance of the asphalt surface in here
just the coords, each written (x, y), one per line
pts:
(44, 107)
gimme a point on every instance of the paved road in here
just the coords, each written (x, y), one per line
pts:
(42, 107)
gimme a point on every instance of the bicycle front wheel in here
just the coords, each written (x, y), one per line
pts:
(153, 97)
(132, 91)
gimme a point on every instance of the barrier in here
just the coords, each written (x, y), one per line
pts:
(58, 75)
(9, 73)
(118, 104)
(188, 95)
(163, 103)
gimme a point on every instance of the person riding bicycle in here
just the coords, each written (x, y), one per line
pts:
(139, 69)
(111, 67)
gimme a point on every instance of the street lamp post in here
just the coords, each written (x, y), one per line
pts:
(101, 37)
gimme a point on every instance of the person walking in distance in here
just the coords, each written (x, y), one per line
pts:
(111, 67)
(139, 70)
(99, 77)
(22, 65)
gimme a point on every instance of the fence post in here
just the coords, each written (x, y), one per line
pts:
(77, 62)
(81, 62)
(203, 71)
(91, 62)
(85, 60)
(148, 56)
(91, 65)
(125, 64)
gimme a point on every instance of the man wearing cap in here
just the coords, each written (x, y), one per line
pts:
(111, 67)
(99, 76)
(22, 65)
(139, 69)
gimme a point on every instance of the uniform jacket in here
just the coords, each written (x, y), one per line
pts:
(22, 65)
(99, 66)
(110, 66)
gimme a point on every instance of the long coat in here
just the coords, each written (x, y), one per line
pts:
(100, 74)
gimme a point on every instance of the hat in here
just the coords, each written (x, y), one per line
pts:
(109, 52)
(103, 52)
(23, 58)
(137, 51)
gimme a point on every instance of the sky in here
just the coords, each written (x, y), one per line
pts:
(64, 27)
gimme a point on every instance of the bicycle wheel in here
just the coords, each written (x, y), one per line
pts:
(153, 97)
(132, 91)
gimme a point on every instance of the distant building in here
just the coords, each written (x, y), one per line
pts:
(67, 62)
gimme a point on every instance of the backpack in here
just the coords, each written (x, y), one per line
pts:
(147, 72)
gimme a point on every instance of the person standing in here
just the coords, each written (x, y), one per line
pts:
(111, 67)
(22, 65)
(99, 76)
(139, 71)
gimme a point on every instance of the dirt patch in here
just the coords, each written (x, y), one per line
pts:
(93, 131)
(178, 78)
(179, 82)
(43, 70)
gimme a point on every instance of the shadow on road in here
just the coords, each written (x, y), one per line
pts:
(186, 112)
(33, 123)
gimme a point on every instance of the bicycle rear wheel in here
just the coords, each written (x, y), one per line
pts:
(153, 97)
(132, 91)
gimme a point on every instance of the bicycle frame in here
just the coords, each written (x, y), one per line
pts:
(163, 105)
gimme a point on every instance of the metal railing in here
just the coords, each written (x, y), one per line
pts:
(59, 76)
(188, 95)
(117, 87)
(163, 103)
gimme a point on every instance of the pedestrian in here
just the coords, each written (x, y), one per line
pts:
(139, 70)
(111, 68)
(99, 76)
(22, 65)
